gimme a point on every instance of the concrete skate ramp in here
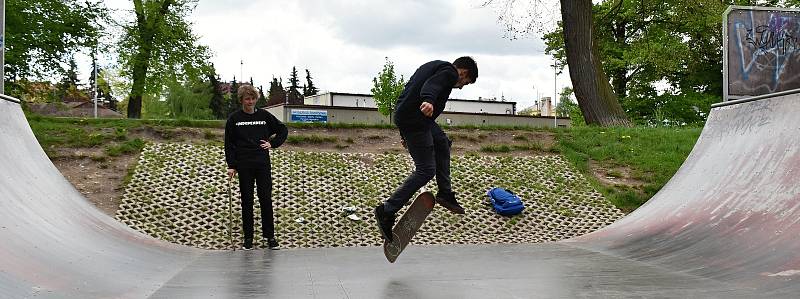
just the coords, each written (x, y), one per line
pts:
(725, 226)
(732, 211)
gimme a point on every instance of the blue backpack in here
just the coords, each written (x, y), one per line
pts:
(505, 202)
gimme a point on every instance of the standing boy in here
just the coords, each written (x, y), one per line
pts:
(247, 143)
(422, 100)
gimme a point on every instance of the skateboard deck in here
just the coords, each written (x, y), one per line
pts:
(409, 223)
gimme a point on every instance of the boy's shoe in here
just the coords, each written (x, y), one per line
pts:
(448, 201)
(385, 222)
(272, 243)
(248, 244)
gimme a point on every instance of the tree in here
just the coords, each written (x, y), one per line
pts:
(597, 100)
(105, 92)
(67, 89)
(277, 95)
(233, 101)
(262, 100)
(189, 100)
(646, 43)
(386, 88)
(595, 96)
(100, 85)
(159, 46)
(217, 99)
(530, 111)
(42, 35)
(567, 107)
(294, 95)
(309, 89)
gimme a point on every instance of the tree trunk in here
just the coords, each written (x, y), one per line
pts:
(139, 78)
(596, 99)
(147, 26)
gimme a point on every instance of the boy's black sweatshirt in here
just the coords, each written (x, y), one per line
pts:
(243, 133)
(432, 83)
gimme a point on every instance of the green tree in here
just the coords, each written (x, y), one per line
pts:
(530, 111)
(595, 95)
(294, 95)
(386, 88)
(673, 43)
(568, 108)
(68, 89)
(277, 95)
(309, 89)
(159, 46)
(189, 100)
(217, 102)
(233, 101)
(105, 92)
(42, 35)
(262, 100)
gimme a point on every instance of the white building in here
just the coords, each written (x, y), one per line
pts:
(338, 99)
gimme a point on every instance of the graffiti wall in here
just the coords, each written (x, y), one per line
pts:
(763, 51)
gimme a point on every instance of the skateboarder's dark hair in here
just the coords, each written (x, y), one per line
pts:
(468, 64)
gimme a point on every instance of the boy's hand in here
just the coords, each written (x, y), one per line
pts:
(426, 108)
(231, 172)
(265, 144)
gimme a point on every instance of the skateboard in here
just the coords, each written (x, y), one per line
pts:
(409, 223)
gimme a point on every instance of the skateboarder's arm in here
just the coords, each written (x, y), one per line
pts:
(443, 79)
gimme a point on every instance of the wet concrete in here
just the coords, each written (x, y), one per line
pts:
(466, 271)
(725, 226)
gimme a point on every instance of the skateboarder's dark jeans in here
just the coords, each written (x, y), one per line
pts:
(430, 150)
(263, 181)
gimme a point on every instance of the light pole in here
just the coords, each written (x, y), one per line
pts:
(535, 97)
(2, 46)
(94, 58)
(555, 94)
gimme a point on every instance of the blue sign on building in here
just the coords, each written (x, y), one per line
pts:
(309, 116)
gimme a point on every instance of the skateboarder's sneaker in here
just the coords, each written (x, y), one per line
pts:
(272, 243)
(385, 222)
(248, 244)
(448, 201)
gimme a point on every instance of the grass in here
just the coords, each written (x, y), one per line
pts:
(652, 154)
(310, 139)
(128, 147)
(530, 146)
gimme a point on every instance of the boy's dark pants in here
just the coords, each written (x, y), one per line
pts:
(430, 150)
(263, 181)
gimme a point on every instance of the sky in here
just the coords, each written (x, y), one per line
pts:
(344, 44)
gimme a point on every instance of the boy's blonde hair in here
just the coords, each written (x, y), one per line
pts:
(247, 90)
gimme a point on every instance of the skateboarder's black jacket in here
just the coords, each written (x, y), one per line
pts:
(432, 83)
(243, 133)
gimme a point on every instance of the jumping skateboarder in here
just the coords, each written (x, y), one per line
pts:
(422, 100)
(247, 144)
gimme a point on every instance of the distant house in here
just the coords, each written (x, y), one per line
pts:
(72, 109)
(340, 99)
(352, 108)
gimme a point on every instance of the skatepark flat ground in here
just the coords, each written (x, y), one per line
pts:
(549, 270)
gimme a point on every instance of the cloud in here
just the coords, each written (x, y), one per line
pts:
(344, 43)
(436, 26)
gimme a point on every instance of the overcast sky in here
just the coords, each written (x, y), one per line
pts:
(343, 43)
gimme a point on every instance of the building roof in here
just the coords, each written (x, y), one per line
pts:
(458, 100)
